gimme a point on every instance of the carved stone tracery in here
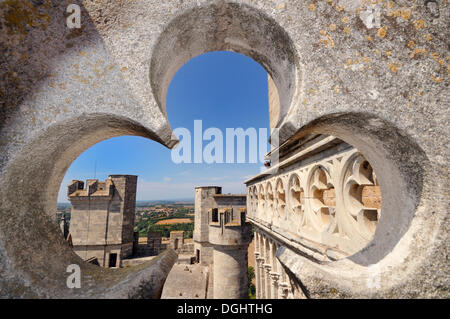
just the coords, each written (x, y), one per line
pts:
(335, 201)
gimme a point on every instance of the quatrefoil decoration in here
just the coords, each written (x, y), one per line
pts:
(270, 197)
(323, 201)
(297, 200)
(280, 198)
(261, 201)
(362, 196)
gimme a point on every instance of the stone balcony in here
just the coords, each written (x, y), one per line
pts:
(327, 202)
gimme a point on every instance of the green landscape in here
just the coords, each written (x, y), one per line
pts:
(154, 216)
(151, 217)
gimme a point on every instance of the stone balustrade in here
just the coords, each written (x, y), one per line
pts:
(327, 206)
(335, 202)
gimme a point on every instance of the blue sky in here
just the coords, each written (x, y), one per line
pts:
(224, 90)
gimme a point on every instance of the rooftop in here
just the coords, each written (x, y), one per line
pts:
(230, 195)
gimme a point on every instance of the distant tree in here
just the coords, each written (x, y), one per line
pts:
(251, 286)
(165, 230)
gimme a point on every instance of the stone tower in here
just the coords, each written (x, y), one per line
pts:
(230, 236)
(221, 239)
(204, 201)
(102, 218)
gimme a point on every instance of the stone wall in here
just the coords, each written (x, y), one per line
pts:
(204, 201)
(205, 252)
(374, 75)
(102, 216)
(274, 103)
(154, 243)
(230, 272)
(178, 244)
(187, 282)
(126, 187)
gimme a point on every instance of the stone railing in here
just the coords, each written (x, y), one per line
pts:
(333, 201)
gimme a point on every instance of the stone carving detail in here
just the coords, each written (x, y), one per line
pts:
(271, 279)
(296, 201)
(361, 199)
(280, 198)
(335, 201)
(322, 203)
(269, 200)
(253, 199)
(261, 201)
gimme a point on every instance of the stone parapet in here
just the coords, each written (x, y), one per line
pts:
(380, 86)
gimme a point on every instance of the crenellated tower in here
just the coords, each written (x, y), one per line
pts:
(230, 235)
(102, 218)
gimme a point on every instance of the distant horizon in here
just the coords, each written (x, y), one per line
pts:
(153, 200)
(190, 199)
(221, 91)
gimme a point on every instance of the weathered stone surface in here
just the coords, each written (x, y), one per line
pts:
(382, 88)
(221, 241)
(187, 282)
(102, 218)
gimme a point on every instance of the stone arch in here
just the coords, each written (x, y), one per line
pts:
(274, 257)
(257, 243)
(261, 245)
(400, 165)
(41, 166)
(405, 144)
(270, 200)
(280, 198)
(279, 267)
(250, 202)
(267, 250)
(261, 200)
(398, 172)
(254, 200)
(283, 275)
(226, 26)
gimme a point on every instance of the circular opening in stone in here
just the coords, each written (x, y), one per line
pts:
(344, 202)
(102, 213)
(332, 197)
(226, 26)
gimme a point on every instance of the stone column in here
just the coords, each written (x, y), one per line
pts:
(284, 290)
(280, 291)
(257, 285)
(267, 269)
(262, 280)
(274, 284)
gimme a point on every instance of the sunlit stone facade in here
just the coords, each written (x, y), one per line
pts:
(322, 200)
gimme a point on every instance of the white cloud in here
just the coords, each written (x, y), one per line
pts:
(167, 179)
